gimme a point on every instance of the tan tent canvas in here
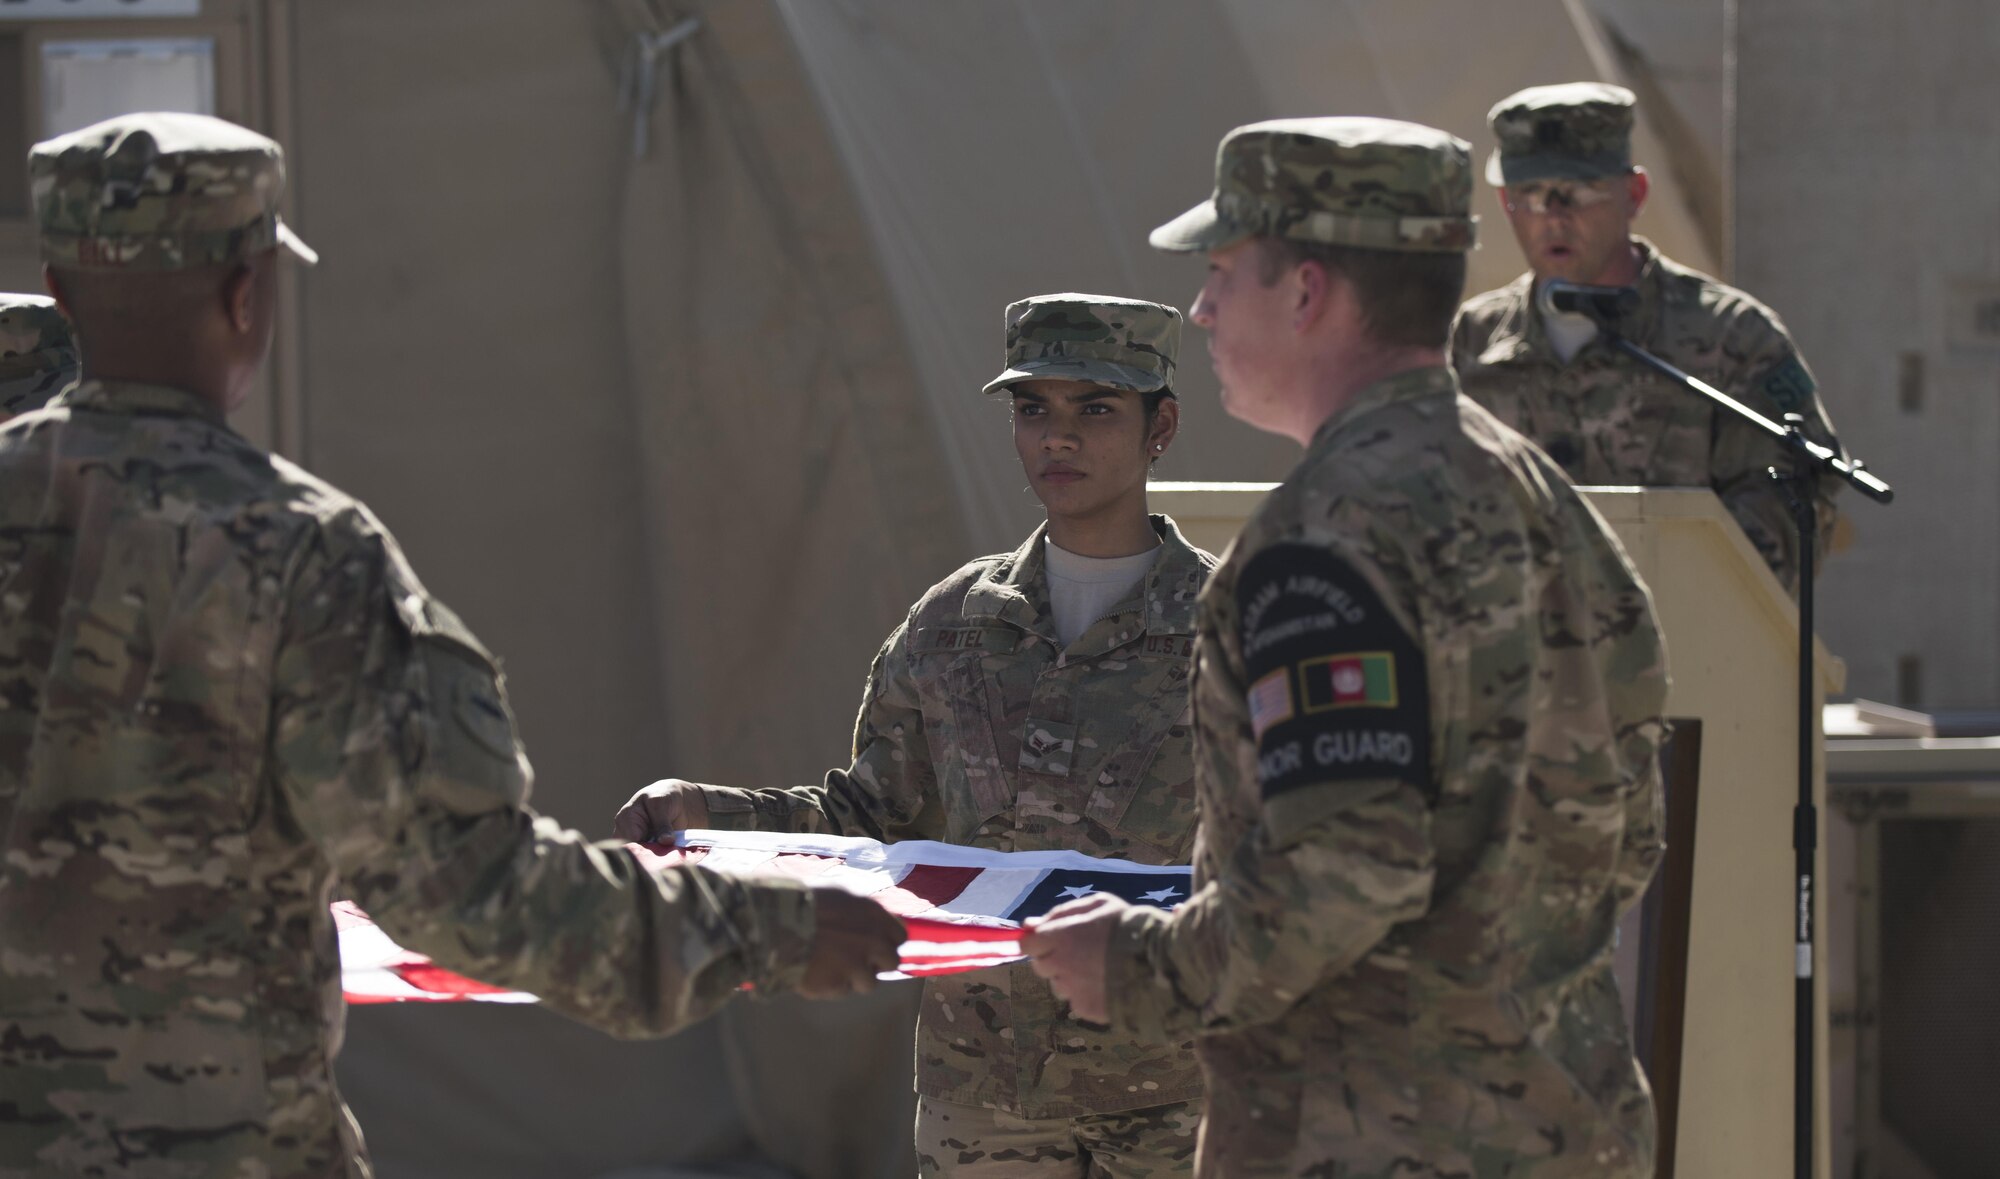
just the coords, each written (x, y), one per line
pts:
(667, 378)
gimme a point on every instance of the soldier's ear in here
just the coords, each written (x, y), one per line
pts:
(1165, 423)
(1637, 185)
(239, 298)
(1313, 288)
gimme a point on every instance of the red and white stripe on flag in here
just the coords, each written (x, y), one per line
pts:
(962, 906)
(374, 969)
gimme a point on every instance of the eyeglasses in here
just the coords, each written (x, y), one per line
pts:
(1540, 196)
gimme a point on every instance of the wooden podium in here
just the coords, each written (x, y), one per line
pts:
(1706, 965)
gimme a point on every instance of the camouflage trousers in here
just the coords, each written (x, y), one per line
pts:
(973, 1142)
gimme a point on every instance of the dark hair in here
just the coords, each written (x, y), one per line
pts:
(1407, 298)
(1153, 400)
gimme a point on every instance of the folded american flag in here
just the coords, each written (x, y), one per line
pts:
(962, 906)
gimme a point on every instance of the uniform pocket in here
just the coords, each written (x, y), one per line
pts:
(982, 788)
(1363, 1117)
(1254, 1119)
(1145, 788)
(1048, 747)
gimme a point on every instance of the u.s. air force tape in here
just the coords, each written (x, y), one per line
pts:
(1337, 689)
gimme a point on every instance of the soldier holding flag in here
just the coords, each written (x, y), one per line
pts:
(1427, 699)
(1034, 700)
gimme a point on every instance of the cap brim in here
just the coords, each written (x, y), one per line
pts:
(1194, 231)
(1528, 169)
(1108, 373)
(299, 249)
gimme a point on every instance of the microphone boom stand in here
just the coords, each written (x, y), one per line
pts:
(1807, 460)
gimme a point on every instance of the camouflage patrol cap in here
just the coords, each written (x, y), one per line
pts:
(1378, 184)
(37, 354)
(1121, 343)
(159, 191)
(1575, 131)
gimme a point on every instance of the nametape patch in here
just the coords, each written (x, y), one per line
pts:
(963, 638)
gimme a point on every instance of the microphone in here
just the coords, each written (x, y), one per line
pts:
(1603, 304)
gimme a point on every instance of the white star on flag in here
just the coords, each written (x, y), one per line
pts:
(1160, 894)
(1077, 890)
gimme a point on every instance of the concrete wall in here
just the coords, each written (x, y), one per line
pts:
(1867, 173)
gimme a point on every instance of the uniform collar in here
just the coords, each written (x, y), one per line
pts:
(1521, 337)
(1415, 384)
(1174, 583)
(1652, 282)
(139, 399)
(1016, 591)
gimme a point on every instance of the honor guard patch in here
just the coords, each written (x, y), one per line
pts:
(1337, 685)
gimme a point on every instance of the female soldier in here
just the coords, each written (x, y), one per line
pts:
(1033, 701)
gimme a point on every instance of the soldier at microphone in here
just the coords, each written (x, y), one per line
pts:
(1564, 167)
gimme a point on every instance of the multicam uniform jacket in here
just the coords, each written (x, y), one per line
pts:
(224, 695)
(979, 728)
(1427, 697)
(1608, 419)
(37, 353)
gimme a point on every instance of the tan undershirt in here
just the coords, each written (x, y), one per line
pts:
(1084, 589)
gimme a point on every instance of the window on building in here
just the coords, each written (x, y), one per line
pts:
(1910, 382)
(1910, 681)
(85, 82)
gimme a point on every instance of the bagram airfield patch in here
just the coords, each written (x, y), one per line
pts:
(1788, 384)
(1337, 686)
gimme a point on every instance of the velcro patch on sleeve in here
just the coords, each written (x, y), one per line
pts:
(1788, 384)
(1337, 689)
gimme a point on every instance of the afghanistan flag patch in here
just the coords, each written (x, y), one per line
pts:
(1364, 679)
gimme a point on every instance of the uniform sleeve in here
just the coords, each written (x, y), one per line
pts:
(1338, 708)
(889, 792)
(1643, 842)
(395, 750)
(1766, 372)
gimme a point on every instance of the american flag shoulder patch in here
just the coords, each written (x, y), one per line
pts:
(1271, 700)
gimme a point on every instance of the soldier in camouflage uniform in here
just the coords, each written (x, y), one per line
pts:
(37, 355)
(1034, 701)
(225, 696)
(1564, 168)
(1427, 697)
